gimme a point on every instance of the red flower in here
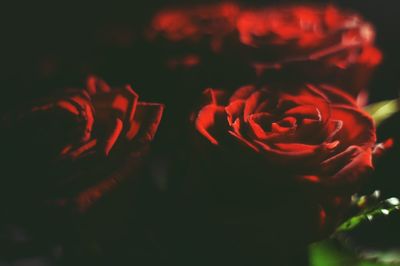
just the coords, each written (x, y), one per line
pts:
(320, 43)
(194, 24)
(313, 135)
(84, 142)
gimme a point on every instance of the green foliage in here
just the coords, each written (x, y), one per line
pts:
(383, 110)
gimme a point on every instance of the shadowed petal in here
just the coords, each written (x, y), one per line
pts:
(145, 121)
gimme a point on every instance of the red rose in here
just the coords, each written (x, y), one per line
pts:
(78, 146)
(196, 24)
(316, 43)
(313, 138)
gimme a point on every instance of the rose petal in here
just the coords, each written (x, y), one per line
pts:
(253, 102)
(276, 128)
(120, 103)
(305, 111)
(145, 122)
(214, 96)
(234, 110)
(296, 153)
(242, 93)
(306, 96)
(358, 127)
(333, 127)
(113, 135)
(337, 96)
(206, 121)
(95, 85)
(259, 124)
(347, 167)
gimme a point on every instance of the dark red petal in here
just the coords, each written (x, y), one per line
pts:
(348, 167)
(258, 125)
(68, 106)
(358, 127)
(277, 128)
(242, 93)
(206, 121)
(337, 96)
(306, 96)
(252, 102)
(296, 153)
(214, 96)
(120, 103)
(145, 122)
(113, 135)
(370, 56)
(332, 128)
(75, 154)
(95, 85)
(234, 110)
(305, 111)
(236, 125)
(381, 148)
(132, 97)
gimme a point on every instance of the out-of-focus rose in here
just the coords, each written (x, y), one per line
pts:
(315, 43)
(77, 147)
(299, 151)
(208, 24)
(309, 43)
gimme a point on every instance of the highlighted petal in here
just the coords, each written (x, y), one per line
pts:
(242, 93)
(95, 85)
(206, 121)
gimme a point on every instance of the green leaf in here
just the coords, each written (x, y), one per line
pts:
(332, 252)
(383, 110)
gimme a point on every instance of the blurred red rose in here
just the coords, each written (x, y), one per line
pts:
(316, 43)
(80, 145)
(309, 43)
(196, 24)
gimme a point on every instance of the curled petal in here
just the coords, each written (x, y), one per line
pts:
(242, 93)
(206, 121)
(337, 96)
(333, 127)
(214, 96)
(96, 85)
(358, 127)
(348, 167)
(381, 148)
(234, 110)
(257, 130)
(305, 111)
(306, 96)
(253, 102)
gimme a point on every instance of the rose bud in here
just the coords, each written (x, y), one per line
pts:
(275, 168)
(77, 147)
(311, 44)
